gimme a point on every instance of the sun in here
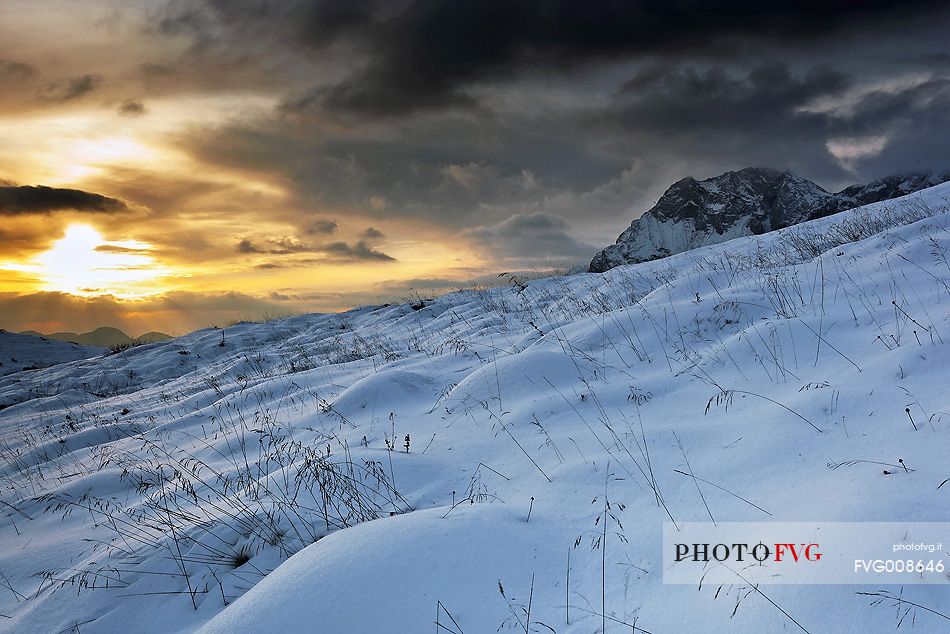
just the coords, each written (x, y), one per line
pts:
(83, 263)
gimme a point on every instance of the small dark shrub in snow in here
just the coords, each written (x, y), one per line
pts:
(240, 558)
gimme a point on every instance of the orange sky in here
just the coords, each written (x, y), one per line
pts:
(173, 258)
(143, 255)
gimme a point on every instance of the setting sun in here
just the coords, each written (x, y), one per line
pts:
(82, 262)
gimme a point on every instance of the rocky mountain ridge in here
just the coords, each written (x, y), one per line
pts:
(750, 201)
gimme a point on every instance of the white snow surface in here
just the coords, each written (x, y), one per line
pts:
(249, 486)
(28, 352)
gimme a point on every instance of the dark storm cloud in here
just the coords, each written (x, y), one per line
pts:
(412, 55)
(340, 251)
(455, 171)
(913, 104)
(463, 171)
(769, 115)
(372, 233)
(28, 199)
(772, 108)
(425, 56)
(915, 122)
(326, 21)
(681, 100)
(314, 22)
(766, 85)
(468, 114)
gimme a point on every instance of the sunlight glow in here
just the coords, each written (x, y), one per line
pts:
(83, 263)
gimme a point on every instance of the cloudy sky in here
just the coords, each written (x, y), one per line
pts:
(175, 164)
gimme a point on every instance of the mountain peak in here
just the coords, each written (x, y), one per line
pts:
(750, 201)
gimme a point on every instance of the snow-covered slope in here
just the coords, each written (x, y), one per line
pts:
(26, 352)
(751, 201)
(258, 478)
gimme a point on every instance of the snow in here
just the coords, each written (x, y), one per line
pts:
(527, 409)
(27, 352)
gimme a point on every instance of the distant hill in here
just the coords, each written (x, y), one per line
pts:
(153, 336)
(103, 337)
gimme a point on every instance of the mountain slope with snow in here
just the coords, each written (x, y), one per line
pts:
(387, 468)
(751, 201)
(19, 352)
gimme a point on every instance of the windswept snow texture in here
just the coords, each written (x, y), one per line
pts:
(257, 478)
(751, 201)
(27, 352)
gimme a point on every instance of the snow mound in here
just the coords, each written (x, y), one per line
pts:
(401, 584)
